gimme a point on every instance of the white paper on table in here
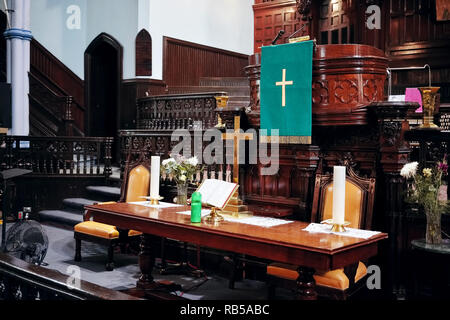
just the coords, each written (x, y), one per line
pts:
(255, 221)
(216, 193)
(161, 205)
(204, 213)
(349, 232)
(265, 222)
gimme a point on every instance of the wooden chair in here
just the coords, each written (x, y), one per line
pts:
(359, 201)
(135, 185)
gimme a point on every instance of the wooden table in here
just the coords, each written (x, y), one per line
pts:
(286, 243)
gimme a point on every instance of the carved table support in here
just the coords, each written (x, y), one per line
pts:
(306, 285)
(146, 262)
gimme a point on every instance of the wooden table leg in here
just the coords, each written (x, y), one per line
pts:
(146, 262)
(306, 285)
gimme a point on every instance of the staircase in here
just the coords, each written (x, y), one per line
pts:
(237, 88)
(56, 96)
(72, 209)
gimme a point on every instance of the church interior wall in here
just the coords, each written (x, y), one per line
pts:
(124, 19)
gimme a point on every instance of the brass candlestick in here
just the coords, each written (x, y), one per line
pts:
(429, 102)
(214, 217)
(336, 227)
(221, 102)
(154, 201)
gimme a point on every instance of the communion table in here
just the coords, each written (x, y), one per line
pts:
(284, 242)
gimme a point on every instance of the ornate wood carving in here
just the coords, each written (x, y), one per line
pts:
(346, 78)
(171, 112)
(303, 6)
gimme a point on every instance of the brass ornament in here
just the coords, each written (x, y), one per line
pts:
(429, 103)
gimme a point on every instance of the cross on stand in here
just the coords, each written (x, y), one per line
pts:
(236, 206)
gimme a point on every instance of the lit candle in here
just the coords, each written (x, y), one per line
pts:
(154, 178)
(339, 195)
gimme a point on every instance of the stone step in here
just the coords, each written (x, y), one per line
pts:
(78, 203)
(64, 217)
(104, 193)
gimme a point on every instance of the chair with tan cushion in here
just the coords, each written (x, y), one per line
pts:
(359, 200)
(135, 186)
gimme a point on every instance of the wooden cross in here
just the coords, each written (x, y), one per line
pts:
(236, 136)
(283, 85)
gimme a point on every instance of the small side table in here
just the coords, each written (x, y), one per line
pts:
(430, 263)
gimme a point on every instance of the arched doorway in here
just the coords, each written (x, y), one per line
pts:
(103, 76)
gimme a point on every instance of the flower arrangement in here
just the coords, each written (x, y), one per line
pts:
(181, 169)
(424, 190)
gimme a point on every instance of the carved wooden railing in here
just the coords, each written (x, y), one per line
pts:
(179, 111)
(133, 143)
(21, 281)
(57, 156)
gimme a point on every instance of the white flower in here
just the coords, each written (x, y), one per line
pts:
(193, 161)
(168, 161)
(409, 170)
(183, 178)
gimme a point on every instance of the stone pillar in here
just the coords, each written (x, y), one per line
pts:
(18, 59)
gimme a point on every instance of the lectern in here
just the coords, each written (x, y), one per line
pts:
(5, 177)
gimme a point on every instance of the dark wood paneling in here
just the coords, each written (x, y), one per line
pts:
(143, 54)
(184, 63)
(273, 16)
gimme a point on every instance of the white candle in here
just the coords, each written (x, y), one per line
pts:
(154, 178)
(339, 195)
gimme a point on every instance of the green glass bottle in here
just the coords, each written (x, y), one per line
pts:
(196, 207)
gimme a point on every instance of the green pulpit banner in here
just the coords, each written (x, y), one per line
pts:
(286, 92)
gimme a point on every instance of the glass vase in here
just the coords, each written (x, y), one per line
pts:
(433, 232)
(182, 189)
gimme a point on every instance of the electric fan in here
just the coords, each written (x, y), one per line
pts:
(27, 240)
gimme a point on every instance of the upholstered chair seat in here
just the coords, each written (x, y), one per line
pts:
(135, 187)
(336, 279)
(101, 230)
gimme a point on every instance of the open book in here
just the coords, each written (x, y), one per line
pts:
(217, 193)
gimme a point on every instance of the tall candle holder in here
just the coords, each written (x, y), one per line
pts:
(429, 102)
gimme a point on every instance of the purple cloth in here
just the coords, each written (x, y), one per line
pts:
(413, 95)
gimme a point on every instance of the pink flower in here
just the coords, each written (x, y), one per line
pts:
(443, 167)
